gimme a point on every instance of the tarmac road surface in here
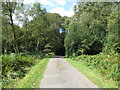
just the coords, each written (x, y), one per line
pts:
(60, 74)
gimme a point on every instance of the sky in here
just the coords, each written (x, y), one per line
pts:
(63, 7)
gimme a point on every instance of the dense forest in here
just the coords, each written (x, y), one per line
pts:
(92, 30)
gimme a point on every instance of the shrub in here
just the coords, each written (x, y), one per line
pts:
(15, 66)
(107, 65)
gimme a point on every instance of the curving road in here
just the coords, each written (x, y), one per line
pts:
(60, 74)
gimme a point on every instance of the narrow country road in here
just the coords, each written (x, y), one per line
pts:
(60, 74)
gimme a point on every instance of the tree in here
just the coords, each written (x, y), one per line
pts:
(112, 38)
(9, 9)
(93, 27)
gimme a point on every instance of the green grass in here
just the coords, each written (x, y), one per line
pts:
(93, 74)
(17, 67)
(33, 77)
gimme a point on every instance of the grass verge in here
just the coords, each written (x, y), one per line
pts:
(92, 74)
(33, 77)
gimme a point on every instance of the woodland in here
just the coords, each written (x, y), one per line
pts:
(90, 35)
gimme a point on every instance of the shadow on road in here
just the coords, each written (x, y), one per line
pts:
(58, 56)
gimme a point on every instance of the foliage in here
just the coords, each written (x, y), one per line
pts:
(93, 29)
(33, 77)
(8, 9)
(107, 65)
(15, 66)
(112, 38)
(34, 34)
(92, 74)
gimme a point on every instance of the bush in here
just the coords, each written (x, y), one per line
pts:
(15, 66)
(107, 65)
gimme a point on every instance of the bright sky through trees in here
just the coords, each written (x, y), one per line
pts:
(63, 7)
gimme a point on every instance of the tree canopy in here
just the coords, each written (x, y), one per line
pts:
(92, 29)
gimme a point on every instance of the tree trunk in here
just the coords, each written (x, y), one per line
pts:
(37, 45)
(6, 49)
(14, 34)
